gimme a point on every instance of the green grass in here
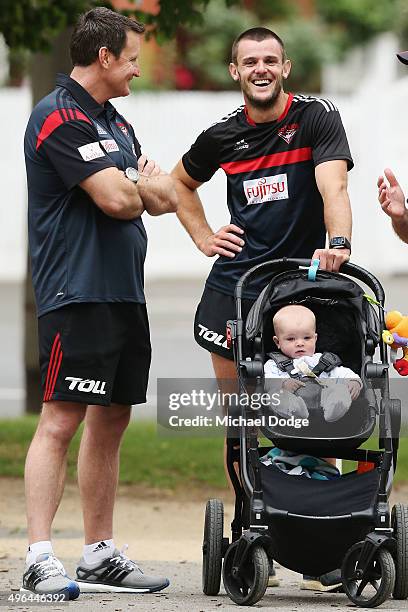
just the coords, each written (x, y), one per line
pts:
(402, 467)
(146, 458)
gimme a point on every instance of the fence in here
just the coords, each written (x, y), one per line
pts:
(167, 123)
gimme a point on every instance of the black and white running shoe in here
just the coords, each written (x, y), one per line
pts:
(117, 574)
(47, 576)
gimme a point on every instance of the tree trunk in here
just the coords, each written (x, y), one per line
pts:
(43, 69)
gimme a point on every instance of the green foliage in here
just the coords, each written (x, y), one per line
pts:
(278, 10)
(209, 51)
(308, 45)
(337, 26)
(358, 21)
(172, 14)
(32, 24)
(402, 22)
(206, 29)
(18, 59)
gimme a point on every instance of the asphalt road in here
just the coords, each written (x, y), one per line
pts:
(184, 593)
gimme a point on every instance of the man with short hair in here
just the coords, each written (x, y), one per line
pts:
(286, 159)
(391, 196)
(88, 185)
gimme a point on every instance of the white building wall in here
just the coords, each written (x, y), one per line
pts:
(167, 123)
(15, 109)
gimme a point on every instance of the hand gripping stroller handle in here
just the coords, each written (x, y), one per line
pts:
(276, 266)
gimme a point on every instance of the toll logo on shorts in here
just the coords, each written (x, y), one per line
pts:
(86, 385)
(266, 189)
(212, 336)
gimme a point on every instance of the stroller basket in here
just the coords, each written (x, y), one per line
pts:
(326, 516)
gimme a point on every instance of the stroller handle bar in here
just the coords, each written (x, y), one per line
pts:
(285, 263)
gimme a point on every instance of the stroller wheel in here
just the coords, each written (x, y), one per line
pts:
(377, 586)
(399, 521)
(212, 546)
(248, 588)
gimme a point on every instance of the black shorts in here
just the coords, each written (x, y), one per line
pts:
(210, 323)
(95, 353)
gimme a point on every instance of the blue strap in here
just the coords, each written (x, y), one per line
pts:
(312, 271)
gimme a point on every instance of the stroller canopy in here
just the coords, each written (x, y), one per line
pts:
(344, 318)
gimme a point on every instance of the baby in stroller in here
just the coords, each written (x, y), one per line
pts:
(303, 368)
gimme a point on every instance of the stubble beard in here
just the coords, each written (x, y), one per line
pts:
(265, 103)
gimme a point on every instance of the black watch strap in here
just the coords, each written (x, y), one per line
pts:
(340, 242)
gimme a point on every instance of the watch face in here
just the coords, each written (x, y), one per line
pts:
(132, 174)
(339, 242)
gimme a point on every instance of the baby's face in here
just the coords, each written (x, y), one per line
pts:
(296, 339)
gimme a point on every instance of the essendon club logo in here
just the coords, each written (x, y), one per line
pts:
(266, 189)
(124, 129)
(288, 131)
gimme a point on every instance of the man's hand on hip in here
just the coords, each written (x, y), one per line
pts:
(223, 242)
(331, 259)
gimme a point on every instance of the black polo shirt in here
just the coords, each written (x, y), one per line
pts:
(78, 253)
(271, 186)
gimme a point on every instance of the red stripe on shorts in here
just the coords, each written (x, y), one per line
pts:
(57, 369)
(56, 347)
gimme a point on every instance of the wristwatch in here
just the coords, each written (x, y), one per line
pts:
(339, 242)
(132, 174)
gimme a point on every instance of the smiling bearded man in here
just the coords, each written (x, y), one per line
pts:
(286, 158)
(261, 81)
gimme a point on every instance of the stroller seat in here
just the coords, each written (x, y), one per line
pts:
(346, 325)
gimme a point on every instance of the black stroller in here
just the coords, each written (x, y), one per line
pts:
(313, 526)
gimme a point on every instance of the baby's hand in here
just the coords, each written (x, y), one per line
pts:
(354, 387)
(292, 385)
